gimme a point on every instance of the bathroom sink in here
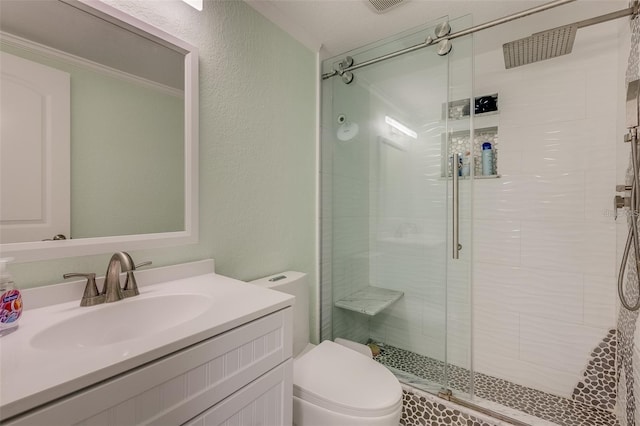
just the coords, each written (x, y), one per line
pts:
(119, 321)
(69, 348)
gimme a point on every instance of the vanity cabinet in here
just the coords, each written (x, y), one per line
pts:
(242, 377)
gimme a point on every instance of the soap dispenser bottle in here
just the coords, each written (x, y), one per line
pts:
(10, 300)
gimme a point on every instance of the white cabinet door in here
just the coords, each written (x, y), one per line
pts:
(268, 401)
(34, 151)
(174, 389)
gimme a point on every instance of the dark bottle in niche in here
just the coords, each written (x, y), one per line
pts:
(486, 104)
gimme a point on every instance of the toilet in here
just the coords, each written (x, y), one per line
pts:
(334, 385)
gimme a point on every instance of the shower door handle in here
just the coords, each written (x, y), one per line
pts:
(455, 195)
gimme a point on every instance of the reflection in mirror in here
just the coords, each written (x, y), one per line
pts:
(99, 127)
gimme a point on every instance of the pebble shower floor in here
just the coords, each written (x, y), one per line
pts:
(562, 411)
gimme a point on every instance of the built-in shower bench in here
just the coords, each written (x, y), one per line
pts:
(370, 300)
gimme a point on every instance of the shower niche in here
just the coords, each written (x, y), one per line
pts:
(458, 138)
(482, 106)
(460, 142)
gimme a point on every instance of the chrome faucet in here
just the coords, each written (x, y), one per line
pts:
(112, 291)
(120, 262)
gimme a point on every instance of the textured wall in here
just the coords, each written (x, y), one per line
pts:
(257, 145)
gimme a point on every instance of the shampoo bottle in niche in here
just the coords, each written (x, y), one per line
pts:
(487, 159)
(10, 300)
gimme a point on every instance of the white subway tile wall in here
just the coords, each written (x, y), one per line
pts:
(544, 235)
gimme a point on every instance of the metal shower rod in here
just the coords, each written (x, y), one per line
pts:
(430, 42)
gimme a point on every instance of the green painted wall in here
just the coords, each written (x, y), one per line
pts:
(133, 167)
(116, 125)
(257, 146)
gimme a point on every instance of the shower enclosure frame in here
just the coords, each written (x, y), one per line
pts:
(348, 66)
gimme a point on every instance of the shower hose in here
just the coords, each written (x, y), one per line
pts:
(633, 236)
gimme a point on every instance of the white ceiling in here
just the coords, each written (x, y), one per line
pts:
(336, 25)
(342, 25)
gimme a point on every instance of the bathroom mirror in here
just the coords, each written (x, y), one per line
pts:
(132, 128)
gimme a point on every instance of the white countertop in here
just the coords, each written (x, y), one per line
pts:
(31, 377)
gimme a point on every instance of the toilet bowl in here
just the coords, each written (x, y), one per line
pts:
(334, 385)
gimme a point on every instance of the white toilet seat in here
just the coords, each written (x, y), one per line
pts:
(344, 381)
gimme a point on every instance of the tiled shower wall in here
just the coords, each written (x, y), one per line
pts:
(345, 210)
(544, 235)
(628, 322)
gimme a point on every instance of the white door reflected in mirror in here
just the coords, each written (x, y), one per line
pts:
(34, 151)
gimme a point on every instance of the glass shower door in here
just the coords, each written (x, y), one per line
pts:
(389, 278)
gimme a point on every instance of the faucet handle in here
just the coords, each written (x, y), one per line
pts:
(91, 295)
(130, 285)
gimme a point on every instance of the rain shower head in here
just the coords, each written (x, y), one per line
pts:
(557, 41)
(540, 46)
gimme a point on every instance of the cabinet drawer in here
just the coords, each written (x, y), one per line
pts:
(173, 389)
(267, 401)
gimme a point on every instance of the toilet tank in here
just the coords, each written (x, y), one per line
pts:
(295, 284)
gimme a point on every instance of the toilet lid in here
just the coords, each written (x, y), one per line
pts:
(342, 380)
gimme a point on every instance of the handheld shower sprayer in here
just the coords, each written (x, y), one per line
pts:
(633, 200)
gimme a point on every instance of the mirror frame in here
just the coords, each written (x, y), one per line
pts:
(45, 250)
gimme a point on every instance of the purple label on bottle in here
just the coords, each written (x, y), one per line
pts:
(10, 306)
(9, 297)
